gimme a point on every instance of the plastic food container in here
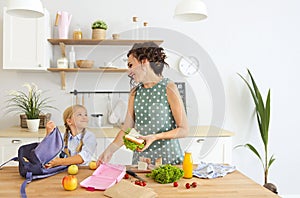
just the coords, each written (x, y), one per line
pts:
(105, 176)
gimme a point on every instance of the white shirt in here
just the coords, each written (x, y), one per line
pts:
(88, 149)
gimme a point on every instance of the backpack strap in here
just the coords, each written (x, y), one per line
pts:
(12, 159)
(23, 186)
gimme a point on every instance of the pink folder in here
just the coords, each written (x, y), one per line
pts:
(105, 176)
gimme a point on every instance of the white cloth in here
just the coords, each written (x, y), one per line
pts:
(210, 170)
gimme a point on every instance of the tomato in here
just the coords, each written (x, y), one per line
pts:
(194, 184)
(137, 182)
(175, 184)
(187, 185)
(126, 176)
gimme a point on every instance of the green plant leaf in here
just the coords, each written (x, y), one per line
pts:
(267, 114)
(31, 103)
(251, 90)
(271, 160)
(263, 120)
(252, 148)
(260, 108)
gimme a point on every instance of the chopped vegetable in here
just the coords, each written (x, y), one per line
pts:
(166, 174)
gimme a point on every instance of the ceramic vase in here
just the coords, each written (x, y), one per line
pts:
(33, 125)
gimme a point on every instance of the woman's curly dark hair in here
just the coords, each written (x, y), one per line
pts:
(152, 52)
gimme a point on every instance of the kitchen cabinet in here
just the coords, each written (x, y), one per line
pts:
(92, 42)
(9, 148)
(207, 143)
(208, 149)
(25, 45)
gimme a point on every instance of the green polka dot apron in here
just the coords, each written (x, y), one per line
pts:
(152, 116)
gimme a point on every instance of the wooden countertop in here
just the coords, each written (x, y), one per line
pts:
(234, 185)
(195, 131)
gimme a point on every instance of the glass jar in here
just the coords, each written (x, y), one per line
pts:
(187, 165)
(77, 34)
(135, 28)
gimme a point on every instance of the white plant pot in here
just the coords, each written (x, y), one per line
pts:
(33, 125)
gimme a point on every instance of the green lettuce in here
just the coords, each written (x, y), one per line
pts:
(166, 174)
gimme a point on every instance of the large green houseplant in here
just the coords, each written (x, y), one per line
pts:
(263, 119)
(31, 103)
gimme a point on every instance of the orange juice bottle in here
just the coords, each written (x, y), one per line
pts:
(187, 165)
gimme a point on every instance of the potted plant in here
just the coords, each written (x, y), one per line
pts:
(99, 28)
(30, 103)
(262, 111)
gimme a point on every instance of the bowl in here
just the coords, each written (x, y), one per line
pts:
(84, 63)
(115, 36)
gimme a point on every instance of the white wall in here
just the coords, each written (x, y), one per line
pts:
(238, 34)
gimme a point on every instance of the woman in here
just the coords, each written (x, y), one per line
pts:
(155, 108)
(79, 144)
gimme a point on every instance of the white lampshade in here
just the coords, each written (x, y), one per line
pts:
(190, 10)
(25, 8)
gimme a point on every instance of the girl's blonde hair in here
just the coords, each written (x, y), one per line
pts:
(68, 113)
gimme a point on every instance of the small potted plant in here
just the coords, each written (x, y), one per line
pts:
(30, 103)
(99, 28)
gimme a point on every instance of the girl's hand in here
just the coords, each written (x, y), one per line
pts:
(149, 139)
(53, 163)
(49, 127)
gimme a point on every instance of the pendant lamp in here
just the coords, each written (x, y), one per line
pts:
(25, 8)
(190, 10)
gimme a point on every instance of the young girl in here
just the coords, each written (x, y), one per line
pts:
(80, 144)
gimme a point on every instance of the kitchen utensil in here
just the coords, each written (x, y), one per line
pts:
(63, 49)
(133, 174)
(77, 99)
(82, 100)
(85, 63)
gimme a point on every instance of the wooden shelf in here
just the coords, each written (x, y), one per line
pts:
(63, 72)
(111, 42)
(99, 42)
(87, 70)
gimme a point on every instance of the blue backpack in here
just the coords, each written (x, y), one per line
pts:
(33, 157)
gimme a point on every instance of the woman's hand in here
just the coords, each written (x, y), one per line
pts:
(149, 139)
(104, 158)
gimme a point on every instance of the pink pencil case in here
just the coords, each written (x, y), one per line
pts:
(105, 176)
